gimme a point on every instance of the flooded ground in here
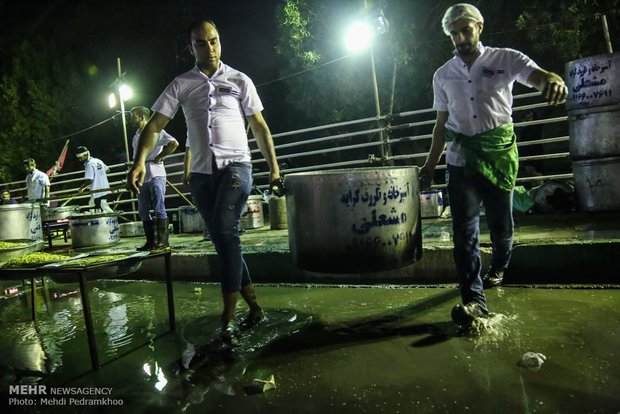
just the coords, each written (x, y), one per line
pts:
(354, 349)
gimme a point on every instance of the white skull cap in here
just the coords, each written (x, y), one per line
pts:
(460, 11)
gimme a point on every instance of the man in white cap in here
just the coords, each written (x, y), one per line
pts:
(37, 182)
(95, 177)
(473, 99)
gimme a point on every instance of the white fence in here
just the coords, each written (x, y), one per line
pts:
(400, 139)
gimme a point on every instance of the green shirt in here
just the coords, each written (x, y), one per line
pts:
(493, 154)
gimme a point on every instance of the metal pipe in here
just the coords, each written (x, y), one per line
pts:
(179, 193)
(606, 34)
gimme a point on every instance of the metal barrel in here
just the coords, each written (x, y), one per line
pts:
(354, 221)
(593, 105)
(593, 81)
(94, 230)
(596, 184)
(190, 220)
(594, 132)
(21, 222)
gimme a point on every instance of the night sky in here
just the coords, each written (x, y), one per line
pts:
(148, 37)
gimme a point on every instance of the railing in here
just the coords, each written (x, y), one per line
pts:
(352, 144)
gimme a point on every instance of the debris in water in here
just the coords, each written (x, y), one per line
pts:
(265, 385)
(532, 360)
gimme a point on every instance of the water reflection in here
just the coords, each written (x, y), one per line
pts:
(342, 350)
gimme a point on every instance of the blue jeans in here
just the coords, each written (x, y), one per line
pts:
(220, 199)
(152, 197)
(465, 194)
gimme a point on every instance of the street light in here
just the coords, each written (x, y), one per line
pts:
(357, 38)
(124, 93)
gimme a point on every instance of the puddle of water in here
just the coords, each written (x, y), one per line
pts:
(345, 350)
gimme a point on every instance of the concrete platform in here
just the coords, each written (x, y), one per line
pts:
(575, 248)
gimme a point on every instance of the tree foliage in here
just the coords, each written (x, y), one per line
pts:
(571, 29)
(37, 93)
(325, 89)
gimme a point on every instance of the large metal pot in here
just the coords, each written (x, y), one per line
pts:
(596, 184)
(594, 132)
(593, 81)
(93, 230)
(24, 247)
(190, 220)
(353, 221)
(20, 221)
(59, 213)
(132, 229)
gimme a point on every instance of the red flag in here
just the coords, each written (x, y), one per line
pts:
(60, 162)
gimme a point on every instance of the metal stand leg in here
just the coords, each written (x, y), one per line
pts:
(90, 332)
(33, 288)
(171, 315)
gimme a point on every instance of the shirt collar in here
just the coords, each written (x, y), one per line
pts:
(480, 49)
(216, 73)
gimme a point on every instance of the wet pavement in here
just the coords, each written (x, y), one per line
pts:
(330, 349)
(333, 343)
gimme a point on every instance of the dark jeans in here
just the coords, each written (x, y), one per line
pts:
(98, 201)
(465, 194)
(221, 198)
(152, 197)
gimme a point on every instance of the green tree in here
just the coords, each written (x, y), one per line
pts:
(569, 30)
(37, 92)
(310, 38)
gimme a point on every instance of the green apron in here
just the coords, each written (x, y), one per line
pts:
(493, 154)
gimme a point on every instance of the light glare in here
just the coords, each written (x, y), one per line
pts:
(125, 92)
(112, 100)
(358, 36)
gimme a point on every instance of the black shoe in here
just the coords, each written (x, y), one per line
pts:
(492, 278)
(464, 315)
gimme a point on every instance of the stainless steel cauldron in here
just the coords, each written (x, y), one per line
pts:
(593, 81)
(353, 221)
(594, 132)
(93, 230)
(59, 213)
(596, 183)
(190, 220)
(132, 229)
(20, 221)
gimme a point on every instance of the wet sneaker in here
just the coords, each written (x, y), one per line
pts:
(252, 320)
(465, 315)
(493, 278)
(230, 333)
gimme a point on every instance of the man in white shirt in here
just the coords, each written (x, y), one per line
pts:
(37, 182)
(95, 177)
(473, 99)
(151, 196)
(216, 100)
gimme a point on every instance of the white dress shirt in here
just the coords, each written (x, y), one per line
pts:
(479, 99)
(215, 110)
(153, 169)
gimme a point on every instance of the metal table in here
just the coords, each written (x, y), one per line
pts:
(81, 273)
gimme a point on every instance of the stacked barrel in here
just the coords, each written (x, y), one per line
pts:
(593, 106)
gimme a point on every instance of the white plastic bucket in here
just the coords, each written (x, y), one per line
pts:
(252, 217)
(431, 204)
